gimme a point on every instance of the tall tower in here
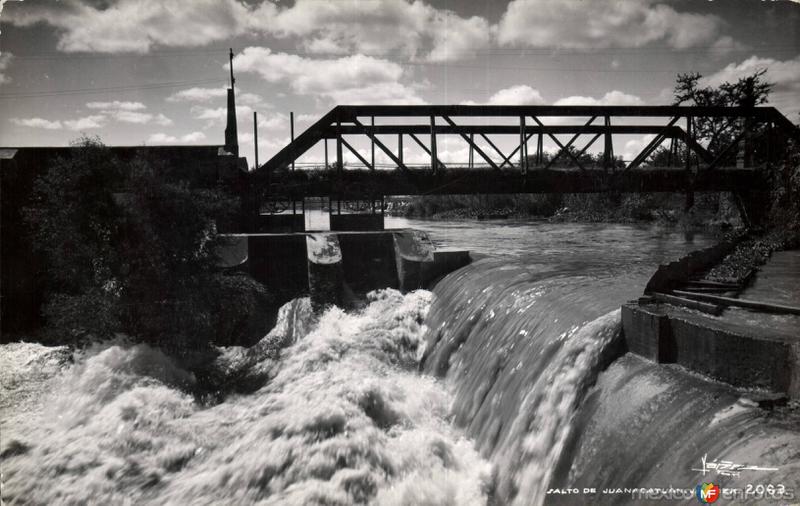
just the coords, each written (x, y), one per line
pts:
(231, 133)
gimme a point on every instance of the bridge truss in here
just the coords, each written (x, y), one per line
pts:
(754, 140)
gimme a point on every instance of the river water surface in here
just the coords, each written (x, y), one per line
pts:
(507, 380)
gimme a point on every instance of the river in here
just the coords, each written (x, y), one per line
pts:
(508, 381)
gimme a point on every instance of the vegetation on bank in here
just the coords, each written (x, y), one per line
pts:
(129, 251)
(707, 209)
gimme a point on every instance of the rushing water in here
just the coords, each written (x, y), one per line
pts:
(503, 382)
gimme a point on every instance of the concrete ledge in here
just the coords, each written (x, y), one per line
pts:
(331, 267)
(704, 345)
(413, 252)
(356, 222)
(280, 223)
(444, 262)
(647, 333)
(739, 360)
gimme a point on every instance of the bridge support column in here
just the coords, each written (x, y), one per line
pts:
(325, 273)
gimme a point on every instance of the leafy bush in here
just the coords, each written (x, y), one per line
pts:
(129, 251)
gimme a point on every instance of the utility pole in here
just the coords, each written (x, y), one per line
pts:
(255, 134)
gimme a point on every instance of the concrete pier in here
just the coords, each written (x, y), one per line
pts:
(330, 266)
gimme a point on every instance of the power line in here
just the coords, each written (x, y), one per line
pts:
(588, 51)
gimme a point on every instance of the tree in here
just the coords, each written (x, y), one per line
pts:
(749, 91)
(132, 252)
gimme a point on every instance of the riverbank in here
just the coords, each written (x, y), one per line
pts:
(716, 211)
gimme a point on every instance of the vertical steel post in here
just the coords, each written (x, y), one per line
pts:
(471, 150)
(326, 153)
(339, 162)
(291, 133)
(400, 147)
(433, 144)
(523, 162)
(540, 148)
(372, 140)
(689, 136)
(608, 149)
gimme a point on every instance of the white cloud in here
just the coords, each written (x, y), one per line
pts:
(193, 137)
(127, 112)
(521, 94)
(307, 118)
(140, 118)
(219, 115)
(784, 74)
(37, 123)
(204, 95)
(412, 29)
(378, 93)
(634, 146)
(455, 37)
(611, 98)
(5, 61)
(162, 138)
(250, 99)
(351, 79)
(198, 95)
(86, 123)
(117, 106)
(138, 25)
(409, 29)
(602, 24)
(274, 121)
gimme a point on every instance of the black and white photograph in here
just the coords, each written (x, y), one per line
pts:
(399, 252)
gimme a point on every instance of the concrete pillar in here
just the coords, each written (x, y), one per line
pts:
(325, 274)
(413, 254)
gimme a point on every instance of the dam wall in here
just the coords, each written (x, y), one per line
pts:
(332, 267)
(725, 353)
(728, 331)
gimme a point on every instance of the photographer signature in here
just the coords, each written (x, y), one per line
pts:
(728, 468)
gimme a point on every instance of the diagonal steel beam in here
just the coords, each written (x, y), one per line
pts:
(588, 144)
(428, 151)
(474, 146)
(569, 144)
(383, 148)
(651, 146)
(558, 143)
(506, 159)
(358, 155)
(697, 148)
(511, 155)
(731, 146)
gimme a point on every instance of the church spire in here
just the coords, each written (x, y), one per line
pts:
(231, 134)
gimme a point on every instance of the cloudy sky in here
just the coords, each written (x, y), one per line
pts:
(154, 71)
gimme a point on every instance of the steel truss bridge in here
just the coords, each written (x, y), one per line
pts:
(758, 134)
